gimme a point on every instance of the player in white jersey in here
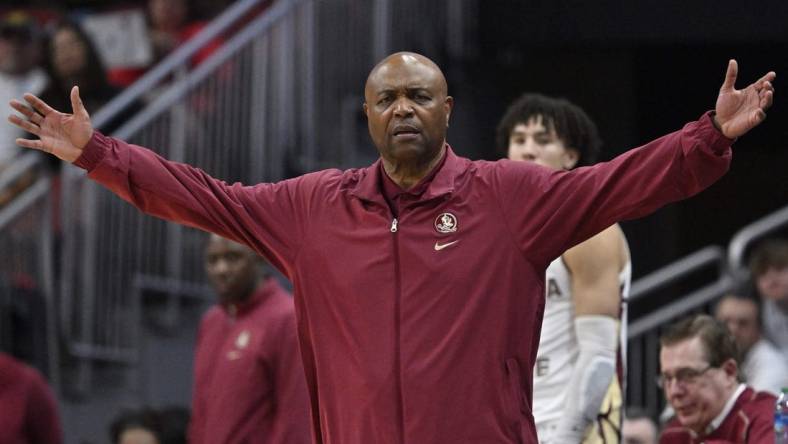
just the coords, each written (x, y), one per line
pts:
(578, 377)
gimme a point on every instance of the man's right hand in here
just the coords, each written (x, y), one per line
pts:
(64, 135)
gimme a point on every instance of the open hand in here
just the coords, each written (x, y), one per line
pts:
(64, 135)
(738, 111)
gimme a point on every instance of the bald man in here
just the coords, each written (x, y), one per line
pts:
(248, 382)
(419, 280)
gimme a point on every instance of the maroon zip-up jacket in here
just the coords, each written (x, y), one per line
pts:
(750, 421)
(249, 384)
(422, 328)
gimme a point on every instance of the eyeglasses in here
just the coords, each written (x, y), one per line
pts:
(684, 376)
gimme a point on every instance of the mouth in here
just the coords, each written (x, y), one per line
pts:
(685, 410)
(403, 131)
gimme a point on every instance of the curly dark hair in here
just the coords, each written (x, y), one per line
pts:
(570, 122)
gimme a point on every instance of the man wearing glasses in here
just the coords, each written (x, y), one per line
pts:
(700, 378)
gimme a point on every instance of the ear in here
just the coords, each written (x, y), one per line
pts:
(365, 108)
(570, 158)
(448, 105)
(731, 369)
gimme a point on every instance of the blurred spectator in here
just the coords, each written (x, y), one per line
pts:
(762, 364)
(28, 412)
(141, 426)
(170, 24)
(769, 269)
(19, 57)
(19, 72)
(638, 427)
(699, 365)
(71, 59)
(249, 384)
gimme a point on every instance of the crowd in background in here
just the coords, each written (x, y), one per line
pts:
(103, 47)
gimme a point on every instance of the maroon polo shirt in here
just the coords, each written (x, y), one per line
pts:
(249, 384)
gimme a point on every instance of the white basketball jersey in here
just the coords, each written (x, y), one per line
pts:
(558, 343)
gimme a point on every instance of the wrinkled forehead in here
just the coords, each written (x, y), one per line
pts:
(405, 71)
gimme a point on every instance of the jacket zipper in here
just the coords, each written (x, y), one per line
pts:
(397, 330)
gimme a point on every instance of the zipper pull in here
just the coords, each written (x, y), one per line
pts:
(394, 225)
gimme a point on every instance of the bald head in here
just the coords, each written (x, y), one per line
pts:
(399, 60)
(407, 110)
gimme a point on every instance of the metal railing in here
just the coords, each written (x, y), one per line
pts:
(747, 236)
(27, 274)
(643, 334)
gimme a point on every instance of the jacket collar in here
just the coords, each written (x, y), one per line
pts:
(443, 183)
(264, 290)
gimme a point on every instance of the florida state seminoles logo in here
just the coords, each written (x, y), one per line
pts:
(446, 223)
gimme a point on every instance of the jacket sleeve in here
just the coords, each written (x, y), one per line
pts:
(265, 217)
(548, 211)
(292, 423)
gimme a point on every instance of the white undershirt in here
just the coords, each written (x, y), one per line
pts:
(725, 410)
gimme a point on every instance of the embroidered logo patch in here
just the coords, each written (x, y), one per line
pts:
(243, 339)
(446, 223)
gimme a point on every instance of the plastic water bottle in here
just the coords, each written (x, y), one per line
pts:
(781, 418)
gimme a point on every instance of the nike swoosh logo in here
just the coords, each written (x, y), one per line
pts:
(439, 247)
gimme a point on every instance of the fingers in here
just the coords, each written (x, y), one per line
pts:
(25, 124)
(766, 99)
(757, 117)
(28, 143)
(730, 75)
(26, 111)
(76, 102)
(38, 105)
(767, 78)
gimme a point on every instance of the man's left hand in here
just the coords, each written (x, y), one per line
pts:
(738, 111)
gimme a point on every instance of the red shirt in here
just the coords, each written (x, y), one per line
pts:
(249, 384)
(28, 412)
(750, 421)
(422, 328)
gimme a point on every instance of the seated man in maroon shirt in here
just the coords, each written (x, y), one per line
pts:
(700, 377)
(249, 385)
(28, 411)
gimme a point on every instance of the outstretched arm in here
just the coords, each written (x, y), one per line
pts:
(738, 111)
(267, 217)
(634, 184)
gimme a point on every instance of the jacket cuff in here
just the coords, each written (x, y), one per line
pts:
(94, 151)
(719, 143)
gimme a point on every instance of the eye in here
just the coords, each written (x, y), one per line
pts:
(384, 100)
(542, 140)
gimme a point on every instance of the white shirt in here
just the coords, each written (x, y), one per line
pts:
(12, 87)
(726, 409)
(775, 325)
(764, 368)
